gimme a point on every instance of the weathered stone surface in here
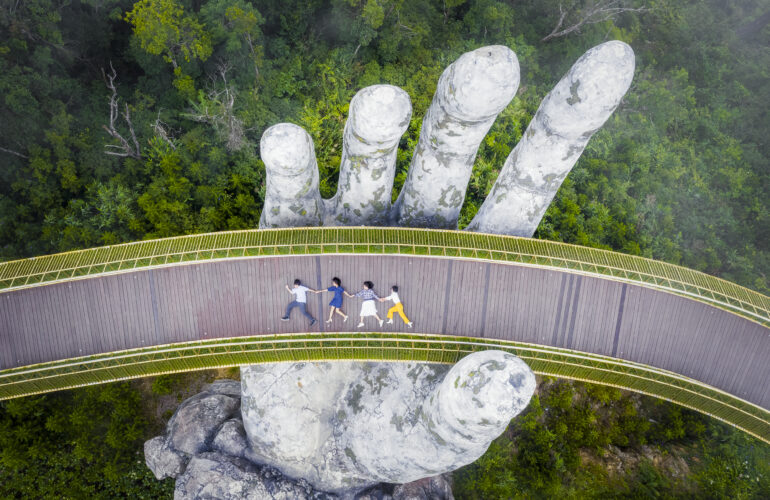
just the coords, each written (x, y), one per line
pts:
(218, 476)
(470, 94)
(345, 426)
(231, 440)
(162, 460)
(224, 386)
(292, 198)
(567, 118)
(378, 117)
(430, 488)
(193, 426)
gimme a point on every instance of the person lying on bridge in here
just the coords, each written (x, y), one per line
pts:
(398, 307)
(300, 300)
(368, 307)
(336, 302)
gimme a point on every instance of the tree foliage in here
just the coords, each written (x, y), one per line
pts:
(76, 444)
(678, 173)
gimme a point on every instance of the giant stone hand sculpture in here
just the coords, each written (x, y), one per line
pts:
(348, 425)
(313, 430)
(340, 427)
(471, 92)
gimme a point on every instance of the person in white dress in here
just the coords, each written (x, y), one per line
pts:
(368, 306)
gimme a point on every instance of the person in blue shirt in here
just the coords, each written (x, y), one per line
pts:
(336, 303)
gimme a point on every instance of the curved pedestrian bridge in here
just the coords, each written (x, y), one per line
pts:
(215, 300)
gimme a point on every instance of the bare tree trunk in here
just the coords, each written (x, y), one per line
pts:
(125, 148)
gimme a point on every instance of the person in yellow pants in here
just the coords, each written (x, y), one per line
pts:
(398, 307)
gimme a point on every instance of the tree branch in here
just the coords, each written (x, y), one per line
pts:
(124, 149)
(161, 130)
(218, 110)
(595, 12)
(9, 151)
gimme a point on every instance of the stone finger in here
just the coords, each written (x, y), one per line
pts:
(292, 197)
(567, 118)
(470, 94)
(379, 116)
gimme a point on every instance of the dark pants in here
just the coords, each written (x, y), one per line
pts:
(302, 307)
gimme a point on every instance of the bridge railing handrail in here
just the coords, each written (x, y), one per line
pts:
(236, 351)
(77, 264)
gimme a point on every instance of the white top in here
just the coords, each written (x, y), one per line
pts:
(394, 297)
(301, 293)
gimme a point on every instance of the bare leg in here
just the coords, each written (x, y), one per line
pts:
(339, 311)
(331, 314)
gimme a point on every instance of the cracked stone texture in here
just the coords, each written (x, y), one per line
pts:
(379, 115)
(192, 427)
(218, 476)
(567, 118)
(162, 460)
(345, 426)
(227, 468)
(434, 488)
(292, 198)
(231, 440)
(429, 488)
(470, 94)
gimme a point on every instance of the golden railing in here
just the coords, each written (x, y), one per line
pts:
(544, 360)
(438, 243)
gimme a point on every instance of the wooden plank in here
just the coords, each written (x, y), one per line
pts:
(246, 296)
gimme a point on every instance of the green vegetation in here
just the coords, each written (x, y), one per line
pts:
(679, 174)
(77, 444)
(586, 441)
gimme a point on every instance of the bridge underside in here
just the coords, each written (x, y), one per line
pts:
(227, 313)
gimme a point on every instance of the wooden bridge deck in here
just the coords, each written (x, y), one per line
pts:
(451, 296)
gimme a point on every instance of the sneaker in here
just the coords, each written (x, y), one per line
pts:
(381, 322)
(345, 319)
(410, 325)
(328, 321)
(390, 321)
(285, 318)
(360, 324)
(312, 323)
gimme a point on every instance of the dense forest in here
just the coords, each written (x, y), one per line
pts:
(122, 120)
